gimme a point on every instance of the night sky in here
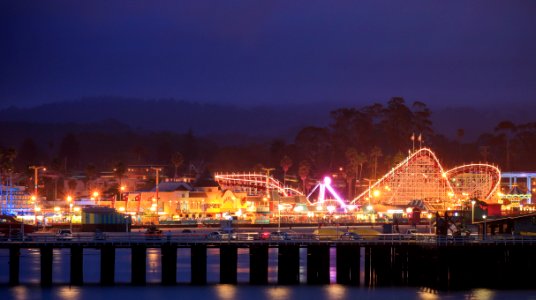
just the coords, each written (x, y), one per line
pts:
(257, 52)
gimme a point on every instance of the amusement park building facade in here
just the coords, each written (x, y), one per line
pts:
(420, 177)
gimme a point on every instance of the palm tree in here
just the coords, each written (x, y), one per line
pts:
(460, 133)
(303, 172)
(7, 158)
(285, 164)
(375, 153)
(177, 159)
(91, 174)
(397, 158)
(361, 160)
(72, 186)
(484, 152)
(119, 171)
(506, 129)
(352, 168)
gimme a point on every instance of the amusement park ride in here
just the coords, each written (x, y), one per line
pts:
(418, 177)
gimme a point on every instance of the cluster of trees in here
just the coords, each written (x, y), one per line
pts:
(358, 143)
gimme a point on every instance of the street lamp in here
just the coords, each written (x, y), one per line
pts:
(369, 210)
(36, 170)
(473, 211)
(156, 187)
(37, 209)
(34, 199)
(484, 231)
(430, 222)
(96, 197)
(279, 221)
(69, 201)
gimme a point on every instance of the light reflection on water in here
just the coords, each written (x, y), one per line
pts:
(91, 265)
(279, 293)
(226, 291)
(247, 292)
(61, 264)
(123, 258)
(68, 293)
(30, 266)
(184, 273)
(153, 266)
(336, 291)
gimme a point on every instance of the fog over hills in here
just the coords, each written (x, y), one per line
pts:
(227, 122)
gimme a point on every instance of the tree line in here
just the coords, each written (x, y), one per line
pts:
(359, 143)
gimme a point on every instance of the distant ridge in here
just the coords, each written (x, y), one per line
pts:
(250, 123)
(174, 115)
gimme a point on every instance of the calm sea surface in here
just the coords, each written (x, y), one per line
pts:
(30, 289)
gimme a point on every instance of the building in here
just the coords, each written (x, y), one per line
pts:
(172, 200)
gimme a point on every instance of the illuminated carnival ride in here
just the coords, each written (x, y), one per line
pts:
(419, 177)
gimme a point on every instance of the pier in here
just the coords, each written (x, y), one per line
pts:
(433, 263)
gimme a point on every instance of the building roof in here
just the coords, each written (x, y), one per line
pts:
(173, 186)
(98, 209)
(206, 180)
(198, 195)
(521, 216)
(515, 191)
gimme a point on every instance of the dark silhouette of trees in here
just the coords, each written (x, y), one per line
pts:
(286, 163)
(313, 144)
(69, 152)
(397, 124)
(506, 130)
(28, 154)
(422, 123)
(303, 171)
(375, 154)
(177, 160)
(366, 141)
(190, 147)
(353, 163)
(91, 174)
(7, 166)
(140, 154)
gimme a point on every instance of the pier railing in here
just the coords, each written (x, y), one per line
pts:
(255, 238)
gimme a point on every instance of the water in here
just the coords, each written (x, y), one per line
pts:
(30, 289)
(247, 292)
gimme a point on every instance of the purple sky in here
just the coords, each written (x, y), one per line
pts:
(256, 52)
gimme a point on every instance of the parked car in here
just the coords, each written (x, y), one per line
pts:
(214, 235)
(279, 236)
(221, 235)
(153, 233)
(350, 236)
(411, 234)
(99, 235)
(263, 236)
(64, 235)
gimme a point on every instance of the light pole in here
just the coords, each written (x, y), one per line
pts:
(96, 197)
(34, 199)
(430, 222)
(473, 211)
(36, 170)
(126, 223)
(279, 211)
(156, 188)
(484, 231)
(37, 209)
(69, 199)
